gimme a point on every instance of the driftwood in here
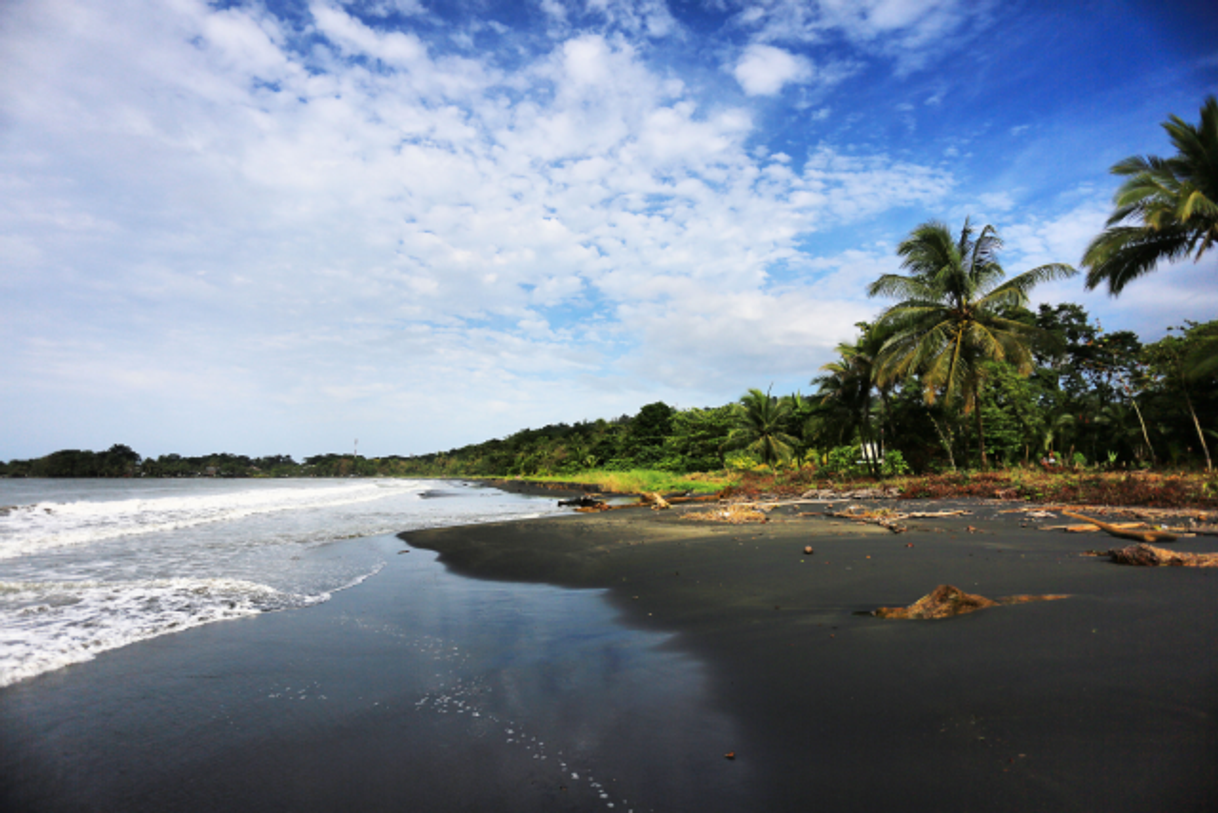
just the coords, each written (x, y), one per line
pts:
(947, 600)
(882, 517)
(582, 501)
(1144, 555)
(856, 494)
(1087, 528)
(1121, 533)
(889, 519)
(734, 514)
(655, 500)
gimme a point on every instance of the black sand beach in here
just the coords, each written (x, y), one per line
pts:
(1103, 701)
(727, 639)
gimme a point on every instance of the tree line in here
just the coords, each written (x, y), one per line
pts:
(121, 460)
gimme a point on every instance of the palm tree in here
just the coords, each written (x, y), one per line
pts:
(952, 316)
(847, 388)
(759, 422)
(1167, 210)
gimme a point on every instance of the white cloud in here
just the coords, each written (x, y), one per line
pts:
(355, 38)
(240, 227)
(763, 70)
(640, 18)
(648, 17)
(384, 8)
(911, 32)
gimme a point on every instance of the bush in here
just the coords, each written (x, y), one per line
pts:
(847, 461)
(894, 464)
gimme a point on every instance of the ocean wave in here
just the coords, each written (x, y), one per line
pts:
(26, 529)
(50, 625)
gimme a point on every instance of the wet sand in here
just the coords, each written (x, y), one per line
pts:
(696, 640)
(1104, 701)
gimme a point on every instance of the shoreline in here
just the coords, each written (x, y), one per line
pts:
(644, 647)
(1011, 708)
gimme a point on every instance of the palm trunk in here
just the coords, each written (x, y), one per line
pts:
(985, 464)
(1209, 466)
(945, 439)
(981, 438)
(886, 423)
(1145, 434)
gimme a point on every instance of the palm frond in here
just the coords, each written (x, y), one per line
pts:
(1121, 254)
(1166, 210)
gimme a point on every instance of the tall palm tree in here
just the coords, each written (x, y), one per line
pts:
(759, 422)
(847, 388)
(1167, 210)
(952, 316)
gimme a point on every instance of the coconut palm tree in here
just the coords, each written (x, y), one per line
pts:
(759, 422)
(1166, 210)
(953, 314)
(847, 389)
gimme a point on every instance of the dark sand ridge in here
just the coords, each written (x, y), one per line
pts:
(1103, 701)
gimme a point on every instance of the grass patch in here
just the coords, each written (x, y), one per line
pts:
(637, 480)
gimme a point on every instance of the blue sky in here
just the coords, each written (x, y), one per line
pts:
(277, 227)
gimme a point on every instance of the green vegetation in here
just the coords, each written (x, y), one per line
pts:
(955, 315)
(959, 371)
(639, 480)
(760, 426)
(1167, 210)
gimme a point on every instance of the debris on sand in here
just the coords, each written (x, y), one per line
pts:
(947, 600)
(1087, 528)
(1123, 533)
(888, 518)
(884, 517)
(1144, 555)
(655, 500)
(584, 501)
(856, 494)
(734, 514)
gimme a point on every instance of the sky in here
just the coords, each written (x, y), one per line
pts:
(281, 226)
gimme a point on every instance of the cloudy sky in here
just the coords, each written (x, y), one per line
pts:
(279, 226)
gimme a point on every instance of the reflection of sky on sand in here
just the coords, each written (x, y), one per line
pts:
(550, 673)
(418, 688)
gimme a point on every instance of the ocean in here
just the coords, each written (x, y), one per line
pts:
(88, 566)
(345, 674)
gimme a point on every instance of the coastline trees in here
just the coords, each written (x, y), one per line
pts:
(1166, 210)
(846, 391)
(954, 313)
(759, 427)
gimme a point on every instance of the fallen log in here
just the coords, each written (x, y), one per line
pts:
(1087, 528)
(1144, 555)
(700, 498)
(1120, 533)
(947, 600)
(882, 517)
(582, 501)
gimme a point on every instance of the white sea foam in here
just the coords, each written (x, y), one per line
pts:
(26, 529)
(51, 625)
(89, 566)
